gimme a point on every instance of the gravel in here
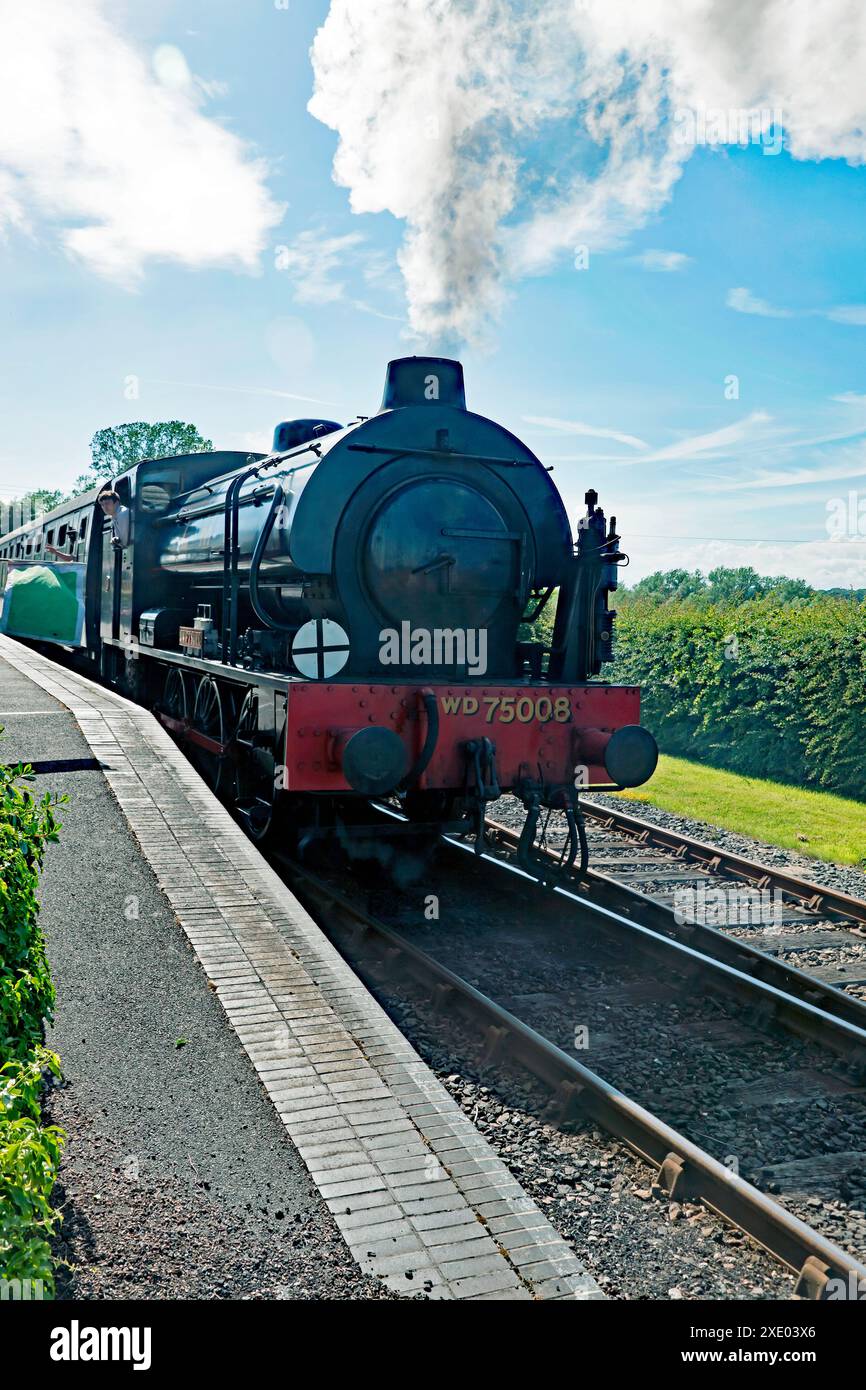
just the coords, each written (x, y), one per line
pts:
(750, 1098)
(597, 1194)
(839, 959)
(844, 878)
(137, 1231)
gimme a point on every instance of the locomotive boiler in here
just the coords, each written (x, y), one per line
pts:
(350, 617)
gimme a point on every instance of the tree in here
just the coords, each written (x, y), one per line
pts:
(27, 507)
(735, 585)
(740, 585)
(667, 586)
(118, 447)
(722, 586)
(856, 595)
(788, 590)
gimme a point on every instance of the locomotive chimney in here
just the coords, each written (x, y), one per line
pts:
(424, 381)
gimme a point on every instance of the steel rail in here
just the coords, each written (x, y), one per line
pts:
(740, 973)
(794, 1012)
(749, 960)
(685, 1172)
(797, 1015)
(829, 901)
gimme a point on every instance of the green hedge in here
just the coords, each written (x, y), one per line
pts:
(767, 688)
(29, 1151)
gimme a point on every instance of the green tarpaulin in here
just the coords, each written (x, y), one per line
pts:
(44, 602)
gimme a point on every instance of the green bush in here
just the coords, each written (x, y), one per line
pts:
(29, 1161)
(769, 688)
(29, 1151)
(26, 989)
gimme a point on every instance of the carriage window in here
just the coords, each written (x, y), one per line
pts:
(61, 536)
(49, 539)
(82, 531)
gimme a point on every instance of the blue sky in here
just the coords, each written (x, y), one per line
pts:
(234, 275)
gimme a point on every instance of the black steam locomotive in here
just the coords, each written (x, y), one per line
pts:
(341, 619)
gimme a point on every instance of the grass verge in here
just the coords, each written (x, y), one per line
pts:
(819, 824)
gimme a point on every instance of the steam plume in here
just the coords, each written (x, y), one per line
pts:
(506, 132)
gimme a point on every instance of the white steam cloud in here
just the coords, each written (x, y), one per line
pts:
(506, 132)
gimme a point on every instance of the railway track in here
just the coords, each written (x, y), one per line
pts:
(739, 951)
(818, 929)
(799, 895)
(764, 1059)
(690, 1001)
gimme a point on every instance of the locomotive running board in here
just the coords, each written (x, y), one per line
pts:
(183, 729)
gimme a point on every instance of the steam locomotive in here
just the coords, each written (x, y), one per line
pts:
(345, 618)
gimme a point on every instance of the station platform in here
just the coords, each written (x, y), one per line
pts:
(251, 1105)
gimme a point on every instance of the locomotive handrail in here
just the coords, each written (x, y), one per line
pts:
(441, 454)
(231, 584)
(255, 563)
(186, 514)
(428, 748)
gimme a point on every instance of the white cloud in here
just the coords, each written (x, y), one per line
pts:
(462, 101)
(244, 391)
(850, 398)
(111, 150)
(664, 261)
(824, 563)
(716, 443)
(753, 437)
(591, 431)
(671, 529)
(745, 302)
(172, 70)
(313, 262)
(848, 313)
(250, 441)
(835, 467)
(363, 307)
(716, 440)
(317, 263)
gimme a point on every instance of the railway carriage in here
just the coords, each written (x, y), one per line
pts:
(342, 619)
